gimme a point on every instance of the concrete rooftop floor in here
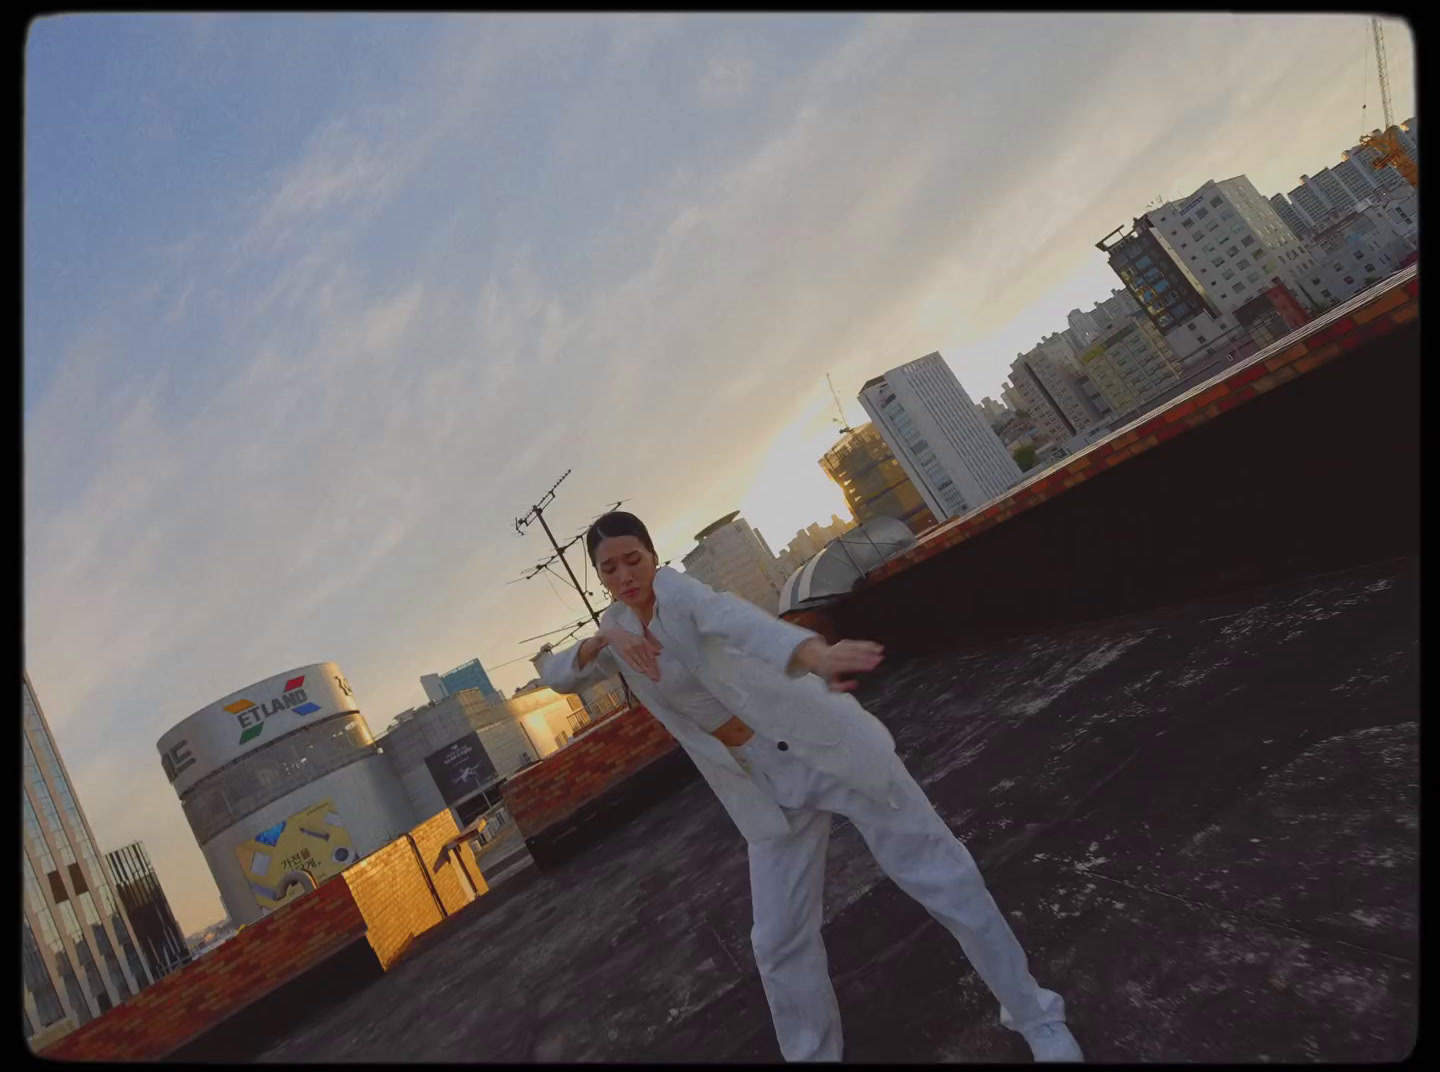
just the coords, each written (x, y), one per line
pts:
(1201, 820)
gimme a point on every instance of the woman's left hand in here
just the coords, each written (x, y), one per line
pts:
(836, 662)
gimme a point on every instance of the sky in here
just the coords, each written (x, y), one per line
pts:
(317, 306)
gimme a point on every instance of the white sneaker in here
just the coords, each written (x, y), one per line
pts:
(1053, 1042)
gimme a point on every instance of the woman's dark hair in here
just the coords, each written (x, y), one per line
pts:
(616, 523)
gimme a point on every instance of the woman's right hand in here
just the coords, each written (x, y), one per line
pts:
(640, 653)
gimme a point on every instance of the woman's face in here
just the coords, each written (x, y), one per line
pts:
(626, 569)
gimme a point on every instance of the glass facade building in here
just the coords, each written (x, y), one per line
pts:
(79, 954)
(1154, 276)
(469, 675)
(148, 910)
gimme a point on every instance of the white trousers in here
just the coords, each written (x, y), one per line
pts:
(916, 849)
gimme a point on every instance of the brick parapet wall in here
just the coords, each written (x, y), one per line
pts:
(190, 1001)
(608, 754)
(430, 838)
(383, 898)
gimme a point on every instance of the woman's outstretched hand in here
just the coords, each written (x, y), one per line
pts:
(640, 653)
(835, 663)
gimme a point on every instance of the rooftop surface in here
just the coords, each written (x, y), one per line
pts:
(1202, 821)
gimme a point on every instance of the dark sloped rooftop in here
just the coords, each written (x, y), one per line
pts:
(1202, 821)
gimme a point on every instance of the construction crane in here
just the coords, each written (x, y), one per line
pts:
(1389, 149)
(838, 408)
(1384, 72)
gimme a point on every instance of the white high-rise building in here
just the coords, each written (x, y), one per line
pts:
(730, 556)
(1236, 244)
(1132, 364)
(435, 689)
(1292, 217)
(1049, 381)
(995, 413)
(1311, 203)
(950, 452)
(1089, 327)
(1359, 250)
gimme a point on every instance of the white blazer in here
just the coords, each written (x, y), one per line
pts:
(740, 654)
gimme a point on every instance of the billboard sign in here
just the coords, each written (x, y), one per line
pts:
(460, 768)
(1191, 205)
(250, 718)
(278, 859)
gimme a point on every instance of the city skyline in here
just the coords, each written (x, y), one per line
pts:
(315, 305)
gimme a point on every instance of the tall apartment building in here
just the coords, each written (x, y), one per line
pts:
(730, 556)
(952, 456)
(1049, 382)
(78, 951)
(1313, 205)
(1132, 365)
(1088, 327)
(1299, 225)
(1357, 251)
(1155, 274)
(148, 909)
(809, 542)
(1095, 398)
(874, 482)
(1233, 241)
(1012, 397)
(1339, 190)
(995, 413)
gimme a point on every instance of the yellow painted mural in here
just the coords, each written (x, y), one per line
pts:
(295, 855)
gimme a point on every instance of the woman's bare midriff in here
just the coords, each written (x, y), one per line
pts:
(733, 734)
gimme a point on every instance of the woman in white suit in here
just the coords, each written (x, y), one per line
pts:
(761, 706)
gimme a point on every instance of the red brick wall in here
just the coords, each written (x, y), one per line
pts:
(200, 995)
(430, 837)
(814, 620)
(390, 889)
(384, 898)
(608, 753)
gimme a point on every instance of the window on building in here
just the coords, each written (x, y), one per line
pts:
(1187, 222)
(1201, 213)
(1191, 326)
(1242, 263)
(1248, 240)
(1239, 286)
(1350, 279)
(1232, 251)
(1218, 261)
(1369, 267)
(1215, 201)
(1199, 338)
(1228, 273)
(1359, 254)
